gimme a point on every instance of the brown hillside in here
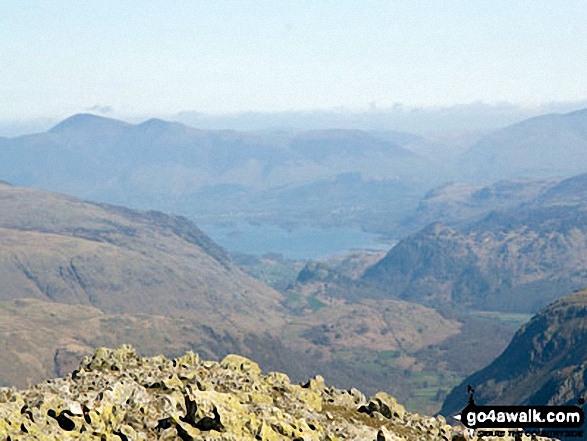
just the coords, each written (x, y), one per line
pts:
(59, 248)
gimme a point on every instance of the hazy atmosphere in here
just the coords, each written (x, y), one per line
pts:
(307, 221)
(138, 59)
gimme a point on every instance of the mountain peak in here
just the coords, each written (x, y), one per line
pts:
(85, 121)
(154, 122)
(161, 124)
(546, 145)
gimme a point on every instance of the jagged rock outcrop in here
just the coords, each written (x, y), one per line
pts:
(118, 395)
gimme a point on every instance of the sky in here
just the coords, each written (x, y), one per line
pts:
(149, 57)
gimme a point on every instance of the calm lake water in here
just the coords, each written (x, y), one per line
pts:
(300, 243)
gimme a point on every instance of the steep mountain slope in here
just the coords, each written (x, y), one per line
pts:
(519, 259)
(43, 339)
(545, 363)
(172, 167)
(548, 145)
(63, 249)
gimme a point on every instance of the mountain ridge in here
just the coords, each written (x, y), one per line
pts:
(176, 168)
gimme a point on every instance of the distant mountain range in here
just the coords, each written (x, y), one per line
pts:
(544, 364)
(265, 176)
(517, 259)
(548, 145)
(173, 167)
(510, 246)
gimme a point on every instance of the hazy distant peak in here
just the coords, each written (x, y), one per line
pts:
(157, 122)
(160, 125)
(335, 133)
(5, 183)
(316, 133)
(87, 121)
(548, 145)
(575, 116)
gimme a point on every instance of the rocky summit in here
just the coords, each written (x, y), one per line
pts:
(118, 395)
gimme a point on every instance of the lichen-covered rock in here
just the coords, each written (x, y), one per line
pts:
(242, 364)
(116, 395)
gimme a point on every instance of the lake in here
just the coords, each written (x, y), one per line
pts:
(298, 243)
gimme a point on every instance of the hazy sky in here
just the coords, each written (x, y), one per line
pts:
(58, 57)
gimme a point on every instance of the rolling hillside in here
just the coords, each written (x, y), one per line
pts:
(459, 203)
